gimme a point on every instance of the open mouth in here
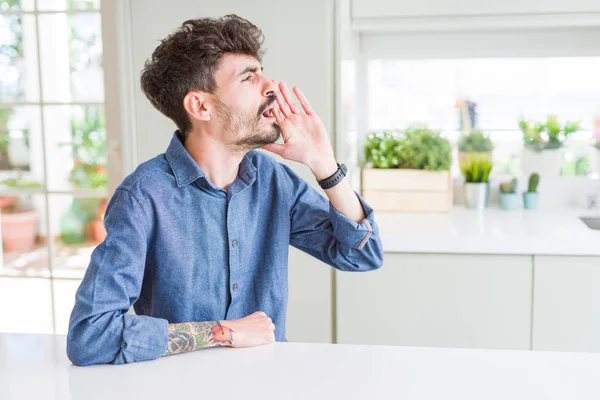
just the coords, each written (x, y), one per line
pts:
(268, 113)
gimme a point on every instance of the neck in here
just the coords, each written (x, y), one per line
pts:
(218, 161)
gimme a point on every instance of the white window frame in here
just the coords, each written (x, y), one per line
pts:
(112, 104)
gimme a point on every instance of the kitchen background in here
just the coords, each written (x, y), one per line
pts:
(417, 97)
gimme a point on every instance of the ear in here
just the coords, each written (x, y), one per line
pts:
(195, 104)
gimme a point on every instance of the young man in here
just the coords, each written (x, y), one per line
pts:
(198, 237)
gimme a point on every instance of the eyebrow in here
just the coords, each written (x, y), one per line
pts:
(249, 69)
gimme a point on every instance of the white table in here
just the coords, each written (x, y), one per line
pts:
(36, 367)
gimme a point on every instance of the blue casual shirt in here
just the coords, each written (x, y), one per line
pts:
(180, 249)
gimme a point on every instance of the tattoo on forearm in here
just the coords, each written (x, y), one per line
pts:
(190, 336)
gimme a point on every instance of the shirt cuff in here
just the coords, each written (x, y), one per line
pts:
(144, 338)
(350, 233)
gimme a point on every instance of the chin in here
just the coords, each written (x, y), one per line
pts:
(265, 137)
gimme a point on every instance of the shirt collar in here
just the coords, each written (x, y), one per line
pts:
(187, 171)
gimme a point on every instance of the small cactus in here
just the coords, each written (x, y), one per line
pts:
(534, 180)
(509, 187)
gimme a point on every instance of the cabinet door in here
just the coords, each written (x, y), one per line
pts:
(473, 301)
(437, 8)
(566, 312)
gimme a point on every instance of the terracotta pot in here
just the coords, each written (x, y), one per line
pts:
(19, 231)
(7, 201)
(97, 230)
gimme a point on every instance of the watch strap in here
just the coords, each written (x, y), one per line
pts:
(334, 179)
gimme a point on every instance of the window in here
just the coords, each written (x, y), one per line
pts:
(403, 92)
(53, 162)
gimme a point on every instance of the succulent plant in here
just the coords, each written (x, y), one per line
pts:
(509, 187)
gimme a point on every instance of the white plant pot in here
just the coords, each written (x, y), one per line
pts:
(547, 163)
(18, 152)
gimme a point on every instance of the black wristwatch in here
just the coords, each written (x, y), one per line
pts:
(334, 179)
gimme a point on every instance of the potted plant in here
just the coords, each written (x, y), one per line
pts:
(19, 217)
(477, 173)
(88, 146)
(408, 171)
(543, 143)
(97, 232)
(509, 200)
(530, 197)
(474, 144)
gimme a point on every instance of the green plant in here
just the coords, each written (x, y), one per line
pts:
(557, 133)
(509, 187)
(5, 114)
(88, 146)
(546, 135)
(597, 145)
(477, 171)
(381, 150)
(475, 142)
(532, 133)
(20, 182)
(25, 202)
(423, 148)
(534, 180)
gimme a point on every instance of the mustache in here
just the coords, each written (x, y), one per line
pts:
(270, 100)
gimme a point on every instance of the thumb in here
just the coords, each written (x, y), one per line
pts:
(276, 148)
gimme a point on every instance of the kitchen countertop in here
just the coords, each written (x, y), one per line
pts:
(36, 367)
(492, 231)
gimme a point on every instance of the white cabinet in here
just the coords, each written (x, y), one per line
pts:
(474, 301)
(433, 8)
(566, 312)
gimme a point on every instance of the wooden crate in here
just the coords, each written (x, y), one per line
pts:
(407, 190)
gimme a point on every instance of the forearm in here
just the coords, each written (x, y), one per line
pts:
(191, 336)
(341, 196)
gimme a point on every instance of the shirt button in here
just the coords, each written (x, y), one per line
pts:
(234, 243)
(234, 287)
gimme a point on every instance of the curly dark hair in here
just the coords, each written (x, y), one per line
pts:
(187, 59)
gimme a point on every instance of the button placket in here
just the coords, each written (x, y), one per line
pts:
(234, 247)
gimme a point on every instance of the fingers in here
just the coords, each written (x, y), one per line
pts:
(303, 101)
(285, 109)
(287, 96)
(279, 117)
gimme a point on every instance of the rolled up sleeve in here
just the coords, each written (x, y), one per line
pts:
(100, 330)
(318, 229)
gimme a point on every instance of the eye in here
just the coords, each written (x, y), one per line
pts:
(247, 78)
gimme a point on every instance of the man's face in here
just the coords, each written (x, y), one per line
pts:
(242, 102)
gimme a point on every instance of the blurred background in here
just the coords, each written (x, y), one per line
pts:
(472, 128)
(53, 158)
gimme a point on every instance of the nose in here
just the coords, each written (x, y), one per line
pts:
(270, 88)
